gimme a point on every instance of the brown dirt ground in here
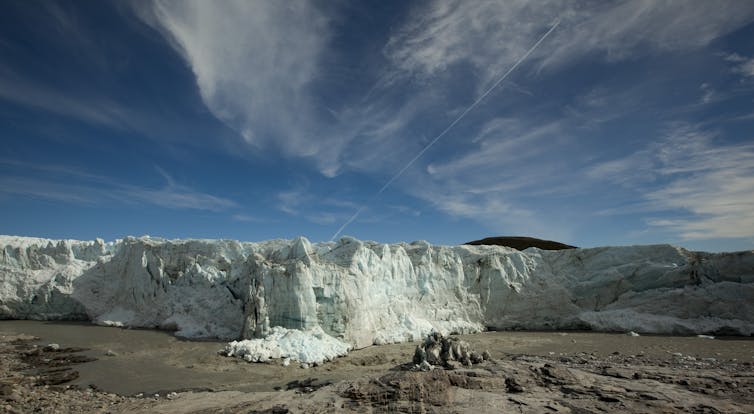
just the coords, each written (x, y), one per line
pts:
(577, 372)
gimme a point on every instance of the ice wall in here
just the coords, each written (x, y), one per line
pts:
(364, 292)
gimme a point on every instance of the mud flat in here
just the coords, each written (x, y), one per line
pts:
(100, 369)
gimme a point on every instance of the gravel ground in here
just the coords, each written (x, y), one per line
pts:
(66, 368)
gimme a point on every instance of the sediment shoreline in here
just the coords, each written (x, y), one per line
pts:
(529, 372)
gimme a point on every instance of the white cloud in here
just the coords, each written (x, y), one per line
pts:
(742, 65)
(487, 35)
(36, 188)
(490, 35)
(72, 185)
(709, 185)
(501, 142)
(705, 184)
(174, 197)
(247, 218)
(254, 62)
(289, 202)
(300, 202)
(257, 62)
(179, 197)
(491, 210)
(97, 110)
(622, 30)
(304, 203)
(709, 95)
(510, 160)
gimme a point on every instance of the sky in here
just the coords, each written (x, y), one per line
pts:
(631, 122)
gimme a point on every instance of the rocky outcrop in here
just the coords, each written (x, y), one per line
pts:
(521, 243)
(448, 352)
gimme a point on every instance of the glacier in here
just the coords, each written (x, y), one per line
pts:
(360, 293)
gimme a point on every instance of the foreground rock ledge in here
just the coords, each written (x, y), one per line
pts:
(364, 293)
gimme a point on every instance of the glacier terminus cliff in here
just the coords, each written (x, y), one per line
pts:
(287, 298)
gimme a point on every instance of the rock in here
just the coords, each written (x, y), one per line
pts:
(608, 398)
(453, 365)
(425, 366)
(521, 243)
(615, 373)
(420, 355)
(52, 347)
(5, 389)
(56, 377)
(450, 352)
(476, 358)
(172, 395)
(8, 392)
(556, 374)
(512, 386)
(632, 333)
(307, 385)
(110, 353)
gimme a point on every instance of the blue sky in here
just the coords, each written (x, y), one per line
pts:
(631, 123)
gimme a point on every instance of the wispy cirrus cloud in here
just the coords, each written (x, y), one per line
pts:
(688, 172)
(75, 186)
(490, 35)
(100, 111)
(257, 64)
(500, 142)
(508, 161)
(254, 62)
(303, 202)
(43, 189)
(173, 197)
(69, 83)
(300, 201)
(247, 218)
(257, 67)
(742, 65)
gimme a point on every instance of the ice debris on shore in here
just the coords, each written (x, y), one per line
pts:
(312, 346)
(362, 293)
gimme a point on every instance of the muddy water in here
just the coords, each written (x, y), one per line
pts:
(154, 361)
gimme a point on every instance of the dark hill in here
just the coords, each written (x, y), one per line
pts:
(521, 243)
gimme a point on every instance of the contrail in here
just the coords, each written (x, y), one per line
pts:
(445, 131)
